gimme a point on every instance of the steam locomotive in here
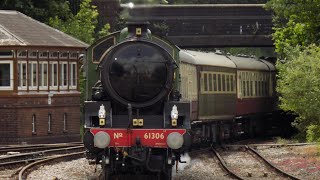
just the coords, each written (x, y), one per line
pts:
(147, 101)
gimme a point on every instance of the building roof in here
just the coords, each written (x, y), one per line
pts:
(21, 30)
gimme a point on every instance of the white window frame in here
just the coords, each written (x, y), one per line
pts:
(7, 56)
(52, 86)
(42, 56)
(73, 55)
(62, 74)
(73, 80)
(34, 130)
(19, 55)
(54, 55)
(49, 122)
(31, 84)
(21, 73)
(33, 54)
(61, 55)
(10, 87)
(65, 122)
(42, 79)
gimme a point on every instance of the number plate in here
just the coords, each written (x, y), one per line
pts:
(148, 137)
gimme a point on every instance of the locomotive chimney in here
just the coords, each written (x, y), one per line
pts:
(139, 29)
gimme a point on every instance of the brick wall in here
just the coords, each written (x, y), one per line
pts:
(16, 121)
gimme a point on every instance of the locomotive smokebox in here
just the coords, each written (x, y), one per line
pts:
(137, 71)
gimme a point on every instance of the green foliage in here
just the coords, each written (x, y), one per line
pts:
(313, 133)
(82, 25)
(299, 84)
(296, 22)
(104, 31)
(40, 10)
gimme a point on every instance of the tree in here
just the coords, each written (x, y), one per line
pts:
(40, 10)
(296, 36)
(296, 22)
(82, 25)
(299, 86)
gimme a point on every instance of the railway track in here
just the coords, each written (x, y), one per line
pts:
(249, 164)
(12, 164)
(23, 173)
(32, 148)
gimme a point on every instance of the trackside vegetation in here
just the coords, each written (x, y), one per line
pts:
(297, 38)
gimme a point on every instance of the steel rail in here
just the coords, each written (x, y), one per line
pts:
(33, 148)
(37, 154)
(272, 165)
(224, 165)
(26, 170)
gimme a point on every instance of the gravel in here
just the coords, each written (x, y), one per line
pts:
(76, 170)
(301, 161)
(201, 167)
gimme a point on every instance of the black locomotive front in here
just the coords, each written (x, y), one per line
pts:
(139, 73)
(134, 120)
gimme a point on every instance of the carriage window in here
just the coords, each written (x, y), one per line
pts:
(205, 82)
(210, 82)
(228, 83)
(244, 88)
(6, 75)
(232, 83)
(223, 82)
(219, 82)
(215, 82)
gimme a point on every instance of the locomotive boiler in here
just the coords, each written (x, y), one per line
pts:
(135, 122)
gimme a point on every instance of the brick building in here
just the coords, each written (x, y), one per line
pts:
(39, 84)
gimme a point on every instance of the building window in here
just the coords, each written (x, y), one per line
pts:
(65, 125)
(54, 75)
(54, 55)
(6, 54)
(63, 75)
(6, 75)
(22, 54)
(63, 55)
(34, 130)
(73, 55)
(22, 75)
(43, 75)
(44, 55)
(49, 122)
(33, 54)
(73, 75)
(33, 75)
